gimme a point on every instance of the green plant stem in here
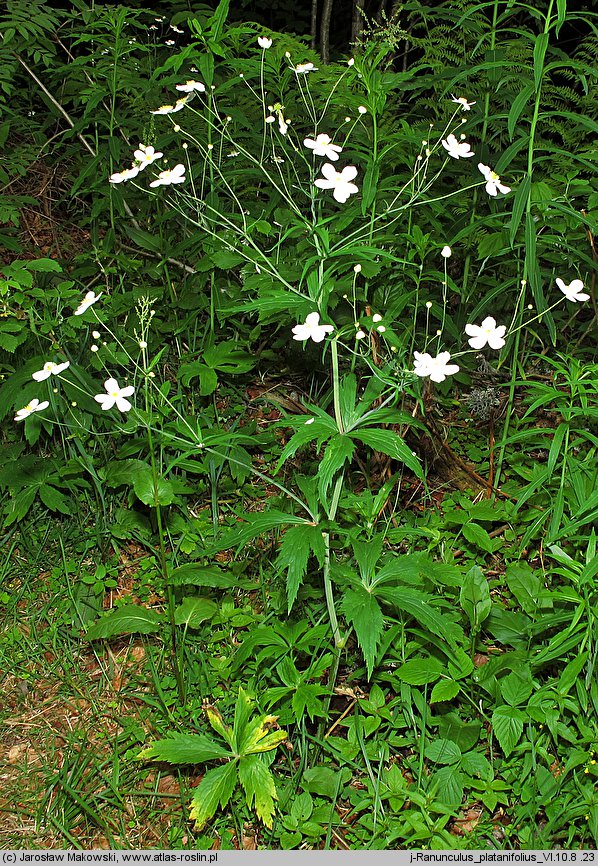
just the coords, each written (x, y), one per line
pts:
(336, 387)
(170, 601)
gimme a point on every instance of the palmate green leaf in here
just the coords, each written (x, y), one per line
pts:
(258, 783)
(130, 619)
(363, 612)
(338, 451)
(256, 524)
(298, 543)
(54, 499)
(389, 443)
(308, 696)
(319, 430)
(507, 724)
(184, 749)
(415, 603)
(254, 735)
(216, 788)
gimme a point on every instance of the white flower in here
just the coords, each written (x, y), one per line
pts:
(304, 68)
(126, 174)
(172, 109)
(49, 369)
(436, 368)
(322, 146)
(359, 335)
(312, 328)
(446, 252)
(190, 87)
(362, 109)
(488, 332)
(30, 408)
(94, 348)
(146, 155)
(573, 291)
(172, 175)
(493, 185)
(264, 42)
(89, 299)
(338, 181)
(456, 149)
(381, 329)
(460, 100)
(115, 395)
(376, 317)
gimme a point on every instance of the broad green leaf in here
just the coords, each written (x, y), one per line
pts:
(184, 749)
(259, 787)
(507, 724)
(151, 241)
(298, 543)
(516, 687)
(443, 752)
(202, 575)
(525, 584)
(324, 781)
(363, 612)
(130, 619)
(475, 597)
(192, 611)
(160, 493)
(389, 443)
(571, 673)
(417, 672)
(229, 358)
(448, 784)
(444, 690)
(476, 534)
(414, 603)
(215, 788)
(208, 380)
(475, 764)
(44, 265)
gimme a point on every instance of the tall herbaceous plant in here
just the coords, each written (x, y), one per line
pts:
(303, 184)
